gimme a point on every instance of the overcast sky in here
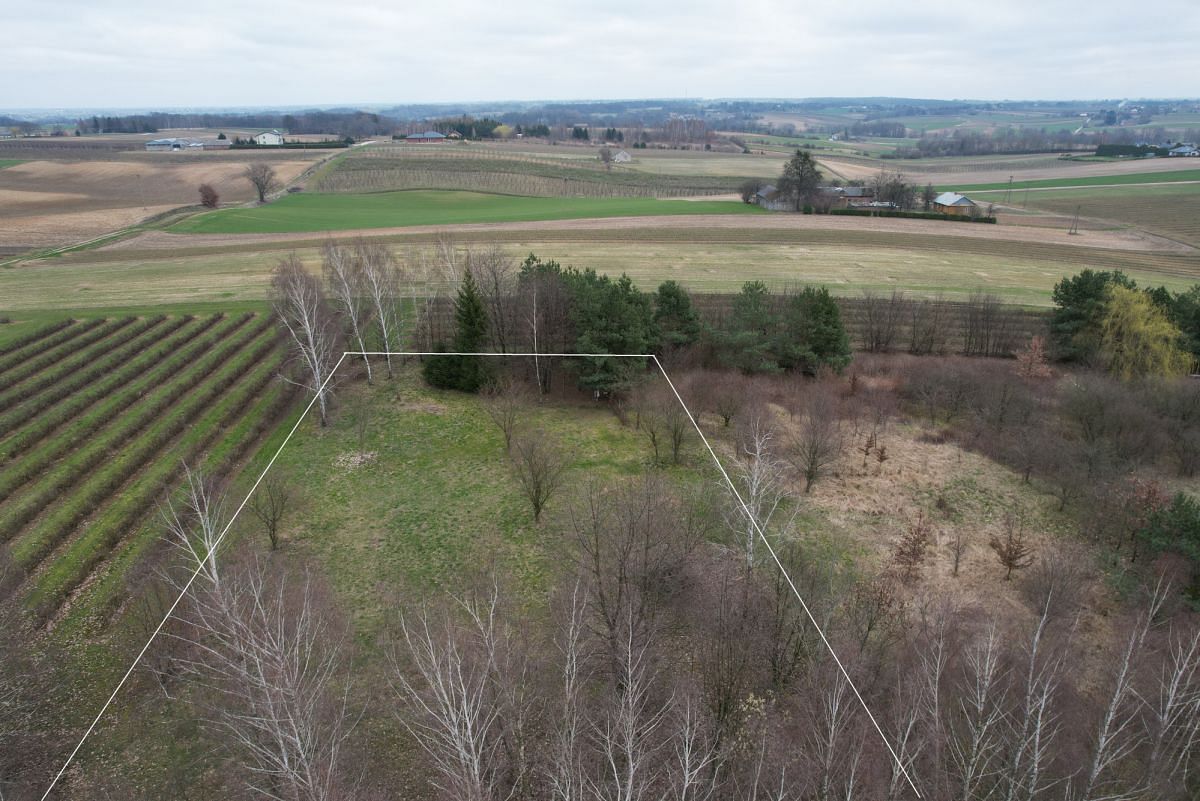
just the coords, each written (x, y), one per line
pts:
(151, 53)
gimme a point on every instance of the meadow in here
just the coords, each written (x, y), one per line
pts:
(1170, 210)
(338, 212)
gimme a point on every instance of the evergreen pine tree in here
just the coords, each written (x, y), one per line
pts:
(464, 373)
(678, 325)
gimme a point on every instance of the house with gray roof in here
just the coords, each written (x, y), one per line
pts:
(953, 203)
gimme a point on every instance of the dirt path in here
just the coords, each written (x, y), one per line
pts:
(1128, 240)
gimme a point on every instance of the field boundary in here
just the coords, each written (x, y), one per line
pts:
(535, 355)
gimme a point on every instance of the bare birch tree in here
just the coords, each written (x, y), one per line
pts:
(1034, 723)
(195, 522)
(270, 656)
(1118, 733)
(381, 283)
(345, 278)
(1173, 718)
(628, 738)
(566, 772)
(457, 678)
(761, 479)
(300, 305)
(975, 741)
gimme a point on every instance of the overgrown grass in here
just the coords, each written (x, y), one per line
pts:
(329, 212)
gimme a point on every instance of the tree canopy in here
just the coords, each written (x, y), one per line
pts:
(800, 179)
(1137, 340)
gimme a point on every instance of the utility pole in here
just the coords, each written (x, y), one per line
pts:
(1075, 222)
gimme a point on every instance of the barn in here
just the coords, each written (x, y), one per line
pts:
(429, 137)
(953, 203)
(268, 138)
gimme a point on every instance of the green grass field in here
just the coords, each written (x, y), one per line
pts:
(9, 163)
(321, 212)
(1095, 180)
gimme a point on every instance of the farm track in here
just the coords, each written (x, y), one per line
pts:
(141, 375)
(204, 418)
(74, 374)
(41, 517)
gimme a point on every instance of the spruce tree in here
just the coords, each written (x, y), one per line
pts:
(464, 373)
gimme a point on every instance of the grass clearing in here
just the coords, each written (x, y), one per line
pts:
(335, 212)
(10, 163)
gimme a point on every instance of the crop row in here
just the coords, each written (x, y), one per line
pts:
(98, 450)
(153, 374)
(107, 484)
(141, 371)
(90, 365)
(33, 336)
(21, 387)
(108, 587)
(116, 522)
(49, 343)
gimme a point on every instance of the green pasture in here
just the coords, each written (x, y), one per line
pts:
(336, 212)
(9, 163)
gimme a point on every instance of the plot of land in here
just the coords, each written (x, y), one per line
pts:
(46, 203)
(96, 418)
(1172, 211)
(332, 212)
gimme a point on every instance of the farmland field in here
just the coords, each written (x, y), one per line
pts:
(1172, 211)
(1172, 176)
(547, 171)
(333, 212)
(97, 417)
(45, 202)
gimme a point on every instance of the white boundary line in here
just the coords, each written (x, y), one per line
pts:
(749, 516)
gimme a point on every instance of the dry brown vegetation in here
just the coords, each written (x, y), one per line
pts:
(45, 203)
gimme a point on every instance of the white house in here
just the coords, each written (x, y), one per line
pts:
(622, 157)
(268, 138)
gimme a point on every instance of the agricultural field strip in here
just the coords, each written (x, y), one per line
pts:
(102, 401)
(73, 374)
(1094, 181)
(105, 586)
(35, 374)
(119, 438)
(137, 477)
(220, 406)
(110, 399)
(1183, 265)
(45, 345)
(31, 337)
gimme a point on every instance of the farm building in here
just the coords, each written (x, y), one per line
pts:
(771, 198)
(953, 203)
(268, 138)
(622, 157)
(169, 145)
(6, 133)
(1184, 150)
(428, 137)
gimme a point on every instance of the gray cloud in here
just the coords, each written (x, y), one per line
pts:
(137, 53)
